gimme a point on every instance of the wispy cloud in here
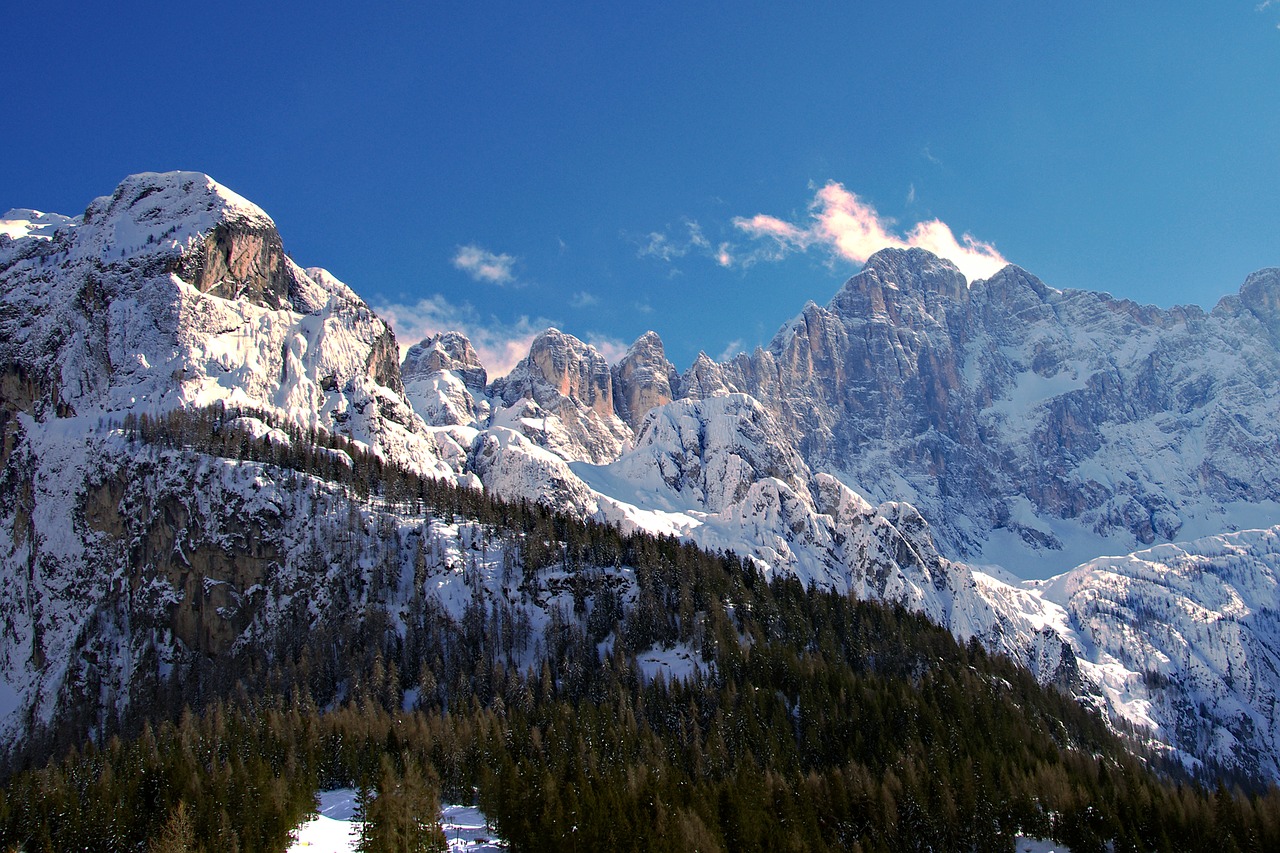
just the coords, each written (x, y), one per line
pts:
(483, 265)
(499, 344)
(689, 239)
(850, 228)
(583, 299)
(660, 245)
(731, 349)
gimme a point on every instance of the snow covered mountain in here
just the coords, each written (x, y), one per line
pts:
(916, 421)
(172, 294)
(1034, 428)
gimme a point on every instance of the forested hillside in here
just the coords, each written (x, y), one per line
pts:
(803, 719)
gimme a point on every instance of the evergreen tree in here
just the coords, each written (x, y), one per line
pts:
(177, 835)
(402, 814)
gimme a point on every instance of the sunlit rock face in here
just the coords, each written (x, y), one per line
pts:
(561, 397)
(643, 379)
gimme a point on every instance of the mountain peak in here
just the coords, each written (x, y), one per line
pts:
(1260, 296)
(25, 222)
(445, 351)
(917, 269)
(191, 201)
(560, 365)
(893, 276)
(643, 379)
(704, 378)
(649, 340)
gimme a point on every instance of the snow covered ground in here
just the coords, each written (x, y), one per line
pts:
(465, 829)
(1039, 845)
(334, 831)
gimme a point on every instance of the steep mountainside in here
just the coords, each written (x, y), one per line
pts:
(1034, 428)
(187, 417)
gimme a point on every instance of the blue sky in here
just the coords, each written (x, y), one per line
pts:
(695, 168)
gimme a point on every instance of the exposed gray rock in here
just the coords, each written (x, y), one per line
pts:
(446, 351)
(1031, 426)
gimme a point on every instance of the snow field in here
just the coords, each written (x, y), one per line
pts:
(334, 830)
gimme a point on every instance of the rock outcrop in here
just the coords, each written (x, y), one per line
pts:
(561, 397)
(643, 379)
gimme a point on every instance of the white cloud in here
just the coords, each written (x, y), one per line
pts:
(724, 255)
(731, 349)
(850, 228)
(483, 265)
(500, 345)
(611, 348)
(583, 299)
(659, 245)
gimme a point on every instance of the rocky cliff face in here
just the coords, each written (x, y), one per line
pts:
(561, 397)
(1033, 427)
(643, 379)
(445, 380)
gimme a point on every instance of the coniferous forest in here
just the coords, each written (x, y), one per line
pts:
(812, 722)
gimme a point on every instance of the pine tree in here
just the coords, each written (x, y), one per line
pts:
(177, 834)
(403, 815)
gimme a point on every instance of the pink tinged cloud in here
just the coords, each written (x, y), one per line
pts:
(852, 229)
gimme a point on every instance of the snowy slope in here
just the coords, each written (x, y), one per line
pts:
(1185, 639)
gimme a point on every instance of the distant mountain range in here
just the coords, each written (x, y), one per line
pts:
(921, 439)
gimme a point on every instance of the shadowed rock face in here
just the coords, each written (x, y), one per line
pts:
(705, 378)
(240, 262)
(1009, 406)
(643, 379)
